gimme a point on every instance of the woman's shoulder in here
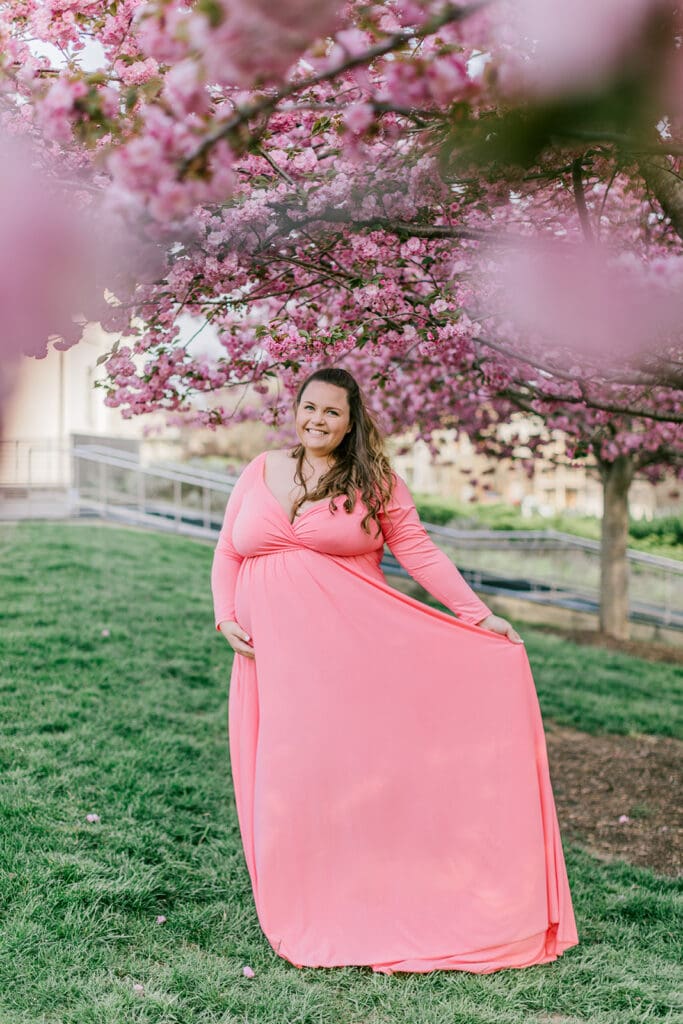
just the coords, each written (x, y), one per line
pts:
(250, 469)
(268, 455)
(257, 465)
(400, 493)
(276, 455)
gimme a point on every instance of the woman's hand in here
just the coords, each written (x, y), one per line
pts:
(498, 625)
(239, 640)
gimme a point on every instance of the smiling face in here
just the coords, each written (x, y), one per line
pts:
(322, 418)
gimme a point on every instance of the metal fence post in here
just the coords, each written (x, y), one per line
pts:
(206, 506)
(177, 498)
(141, 490)
(102, 484)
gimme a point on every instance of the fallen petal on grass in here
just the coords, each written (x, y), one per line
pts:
(92, 818)
(248, 972)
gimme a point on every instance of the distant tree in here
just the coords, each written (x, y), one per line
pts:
(478, 208)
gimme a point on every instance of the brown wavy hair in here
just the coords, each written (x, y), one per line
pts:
(361, 463)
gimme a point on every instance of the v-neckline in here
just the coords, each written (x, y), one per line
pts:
(316, 504)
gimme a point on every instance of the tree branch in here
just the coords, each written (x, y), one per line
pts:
(667, 186)
(276, 167)
(580, 198)
(404, 229)
(396, 41)
(644, 379)
(591, 403)
(623, 142)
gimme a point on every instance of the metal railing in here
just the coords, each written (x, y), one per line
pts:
(563, 565)
(544, 565)
(116, 485)
(539, 565)
(33, 463)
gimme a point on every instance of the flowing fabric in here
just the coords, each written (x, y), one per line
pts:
(389, 760)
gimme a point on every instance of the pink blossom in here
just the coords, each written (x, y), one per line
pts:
(412, 247)
(56, 110)
(248, 972)
(47, 256)
(623, 819)
(349, 43)
(577, 297)
(305, 204)
(137, 164)
(92, 818)
(160, 919)
(184, 89)
(404, 85)
(555, 48)
(315, 17)
(110, 101)
(243, 42)
(358, 117)
(446, 78)
(137, 72)
(161, 33)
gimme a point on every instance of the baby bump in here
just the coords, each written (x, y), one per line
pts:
(242, 602)
(263, 583)
(273, 587)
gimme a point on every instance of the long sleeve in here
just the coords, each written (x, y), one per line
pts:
(427, 563)
(226, 559)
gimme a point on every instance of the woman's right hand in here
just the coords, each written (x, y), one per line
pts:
(238, 638)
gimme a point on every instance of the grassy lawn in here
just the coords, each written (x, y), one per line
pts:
(132, 726)
(659, 537)
(604, 691)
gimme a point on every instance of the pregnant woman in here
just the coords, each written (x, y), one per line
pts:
(389, 761)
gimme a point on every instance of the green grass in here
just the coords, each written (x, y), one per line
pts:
(133, 727)
(604, 691)
(660, 536)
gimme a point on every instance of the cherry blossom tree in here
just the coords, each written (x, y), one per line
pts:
(476, 207)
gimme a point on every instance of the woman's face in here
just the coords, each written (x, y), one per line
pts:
(322, 417)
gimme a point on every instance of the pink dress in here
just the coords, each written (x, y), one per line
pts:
(389, 761)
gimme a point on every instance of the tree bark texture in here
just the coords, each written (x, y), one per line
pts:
(614, 570)
(666, 185)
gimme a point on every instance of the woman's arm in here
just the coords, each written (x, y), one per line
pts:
(427, 563)
(226, 559)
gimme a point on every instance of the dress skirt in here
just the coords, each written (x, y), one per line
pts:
(389, 766)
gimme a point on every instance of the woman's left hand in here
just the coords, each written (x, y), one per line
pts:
(499, 625)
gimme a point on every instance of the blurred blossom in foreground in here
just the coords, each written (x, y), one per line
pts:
(577, 47)
(580, 298)
(47, 257)
(240, 41)
(59, 253)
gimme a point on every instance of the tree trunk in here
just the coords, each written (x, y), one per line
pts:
(664, 181)
(616, 480)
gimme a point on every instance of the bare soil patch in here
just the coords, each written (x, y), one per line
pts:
(598, 779)
(648, 649)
